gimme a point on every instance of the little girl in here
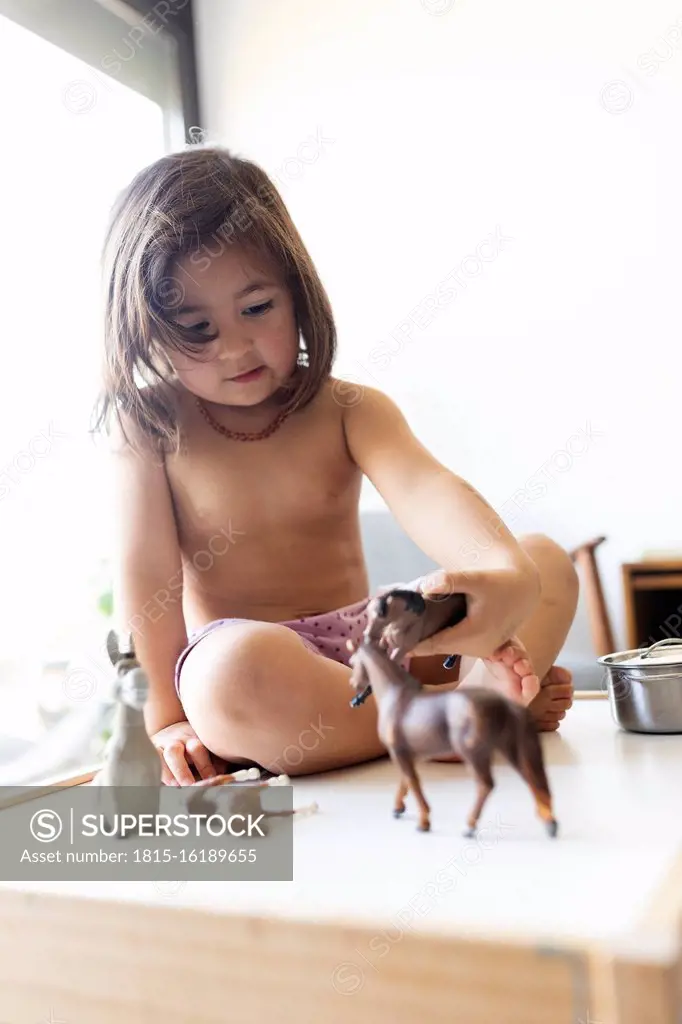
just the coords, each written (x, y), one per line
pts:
(238, 462)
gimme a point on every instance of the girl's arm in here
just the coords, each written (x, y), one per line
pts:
(451, 523)
(148, 584)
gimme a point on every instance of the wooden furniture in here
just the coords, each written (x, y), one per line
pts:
(600, 623)
(383, 923)
(653, 601)
(652, 591)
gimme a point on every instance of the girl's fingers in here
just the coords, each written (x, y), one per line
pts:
(198, 753)
(219, 767)
(174, 754)
(432, 645)
(166, 775)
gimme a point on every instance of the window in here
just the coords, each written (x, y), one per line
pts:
(89, 95)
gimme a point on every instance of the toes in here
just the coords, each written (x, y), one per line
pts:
(557, 674)
(509, 653)
(530, 687)
(550, 723)
(551, 717)
(548, 726)
(548, 716)
(562, 704)
(557, 691)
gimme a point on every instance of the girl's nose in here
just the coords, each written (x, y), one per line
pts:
(232, 346)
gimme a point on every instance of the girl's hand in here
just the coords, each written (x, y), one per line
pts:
(180, 748)
(498, 602)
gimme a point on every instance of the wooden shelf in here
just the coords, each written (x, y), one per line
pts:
(653, 567)
(664, 581)
(653, 601)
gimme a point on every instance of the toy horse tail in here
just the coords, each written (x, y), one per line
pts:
(524, 751)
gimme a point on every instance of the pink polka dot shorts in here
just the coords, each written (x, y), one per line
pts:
(326, 634)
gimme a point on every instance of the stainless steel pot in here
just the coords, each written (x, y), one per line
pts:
(645, 687)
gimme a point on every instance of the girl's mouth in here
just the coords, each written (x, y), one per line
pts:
(244, 378)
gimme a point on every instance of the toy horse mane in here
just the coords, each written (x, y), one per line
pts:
(414, 601)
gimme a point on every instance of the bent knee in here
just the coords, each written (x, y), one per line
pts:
(541, 542)
(237, 659)
(248, 690)
(554, 563)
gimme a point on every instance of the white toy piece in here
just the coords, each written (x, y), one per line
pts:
(243, 799)
(132, 762)
(243, 775)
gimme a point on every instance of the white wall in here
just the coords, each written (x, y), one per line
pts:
(431, 126)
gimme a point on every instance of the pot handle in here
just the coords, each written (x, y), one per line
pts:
(671, 641)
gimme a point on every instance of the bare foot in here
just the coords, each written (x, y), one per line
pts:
(509, 670)
(553, 700)
(512, 673)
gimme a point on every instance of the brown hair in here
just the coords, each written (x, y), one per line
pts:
(189, 204)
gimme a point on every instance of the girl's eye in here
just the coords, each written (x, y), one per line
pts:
(258, 310)
(201, 333)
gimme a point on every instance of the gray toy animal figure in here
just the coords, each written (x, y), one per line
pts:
(132, 761)
(238, 797)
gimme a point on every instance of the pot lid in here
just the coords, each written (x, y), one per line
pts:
(665, 652)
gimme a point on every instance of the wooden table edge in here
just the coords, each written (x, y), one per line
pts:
(631, 988)
(316, 966)
(213, 958)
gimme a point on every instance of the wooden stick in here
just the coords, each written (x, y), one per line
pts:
(600, 621)
(31, 792)
(590, 695)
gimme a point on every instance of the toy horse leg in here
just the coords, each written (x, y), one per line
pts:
(524, 751)
(399, 807)
(403, 786)
(480, 763)
(406, 765)
(531, 769)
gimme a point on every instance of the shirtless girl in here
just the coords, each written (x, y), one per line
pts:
(239, 461)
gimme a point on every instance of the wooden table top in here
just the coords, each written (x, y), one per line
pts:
(604, 880)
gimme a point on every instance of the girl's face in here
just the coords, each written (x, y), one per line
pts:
(248, 316)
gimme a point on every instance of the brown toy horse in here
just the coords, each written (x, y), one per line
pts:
(399, 619)
(470, 722)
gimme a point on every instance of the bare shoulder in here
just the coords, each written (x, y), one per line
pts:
(383, 444)
(131, 437)
(367, 409)
(328, 406)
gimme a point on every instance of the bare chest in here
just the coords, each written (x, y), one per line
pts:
(298, 480)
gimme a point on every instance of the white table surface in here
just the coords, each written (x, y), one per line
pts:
(616, 797)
